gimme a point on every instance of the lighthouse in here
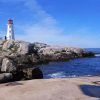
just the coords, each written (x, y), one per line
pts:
(10, 30)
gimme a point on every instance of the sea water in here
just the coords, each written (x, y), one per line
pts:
(73, 68)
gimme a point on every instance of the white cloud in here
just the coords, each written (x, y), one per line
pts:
(46, 26)
(43, 17)
(59, 39)
(47, 31)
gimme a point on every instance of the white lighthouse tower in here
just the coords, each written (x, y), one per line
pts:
(10, 30)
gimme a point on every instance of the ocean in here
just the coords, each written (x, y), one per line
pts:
(74, 68)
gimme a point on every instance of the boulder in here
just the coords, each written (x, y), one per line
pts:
(2, 42)
(8, 66)
(19, 47)
(6, 77)
(23, 47)
(7, 45)
(38, 45)
(28, 73)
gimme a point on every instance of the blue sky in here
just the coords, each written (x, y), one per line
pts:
(59, 22)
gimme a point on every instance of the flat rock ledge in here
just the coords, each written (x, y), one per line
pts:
(83, 88)
(19, 58)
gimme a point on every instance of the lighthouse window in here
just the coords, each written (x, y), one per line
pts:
(10, 31)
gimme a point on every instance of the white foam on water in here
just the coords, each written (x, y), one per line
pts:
(97, 55)
(63, 75)
(73, 76)
(57, 75)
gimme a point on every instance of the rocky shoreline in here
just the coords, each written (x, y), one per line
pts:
(18, 59)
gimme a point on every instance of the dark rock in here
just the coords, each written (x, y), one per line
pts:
(37, 73)
(6, 77)
(88, 54)
(28, 73)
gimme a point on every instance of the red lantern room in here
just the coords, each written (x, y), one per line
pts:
(10, 21)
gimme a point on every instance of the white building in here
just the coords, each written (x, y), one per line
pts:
(10, 31)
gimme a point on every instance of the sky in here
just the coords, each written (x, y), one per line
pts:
(58, 22)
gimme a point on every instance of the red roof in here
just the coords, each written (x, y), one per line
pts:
(10, 21)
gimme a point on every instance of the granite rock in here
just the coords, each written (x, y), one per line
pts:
(18, 56)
